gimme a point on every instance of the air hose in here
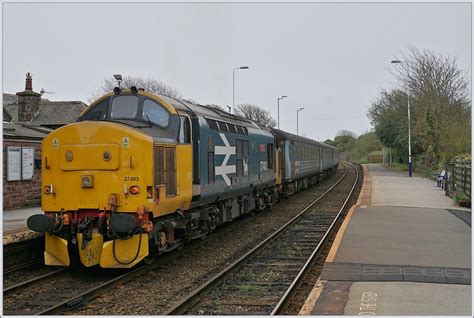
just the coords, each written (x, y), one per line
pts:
(115, 236)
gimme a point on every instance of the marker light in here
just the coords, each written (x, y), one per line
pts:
(48, 189)
(87, 181)
(134, 190)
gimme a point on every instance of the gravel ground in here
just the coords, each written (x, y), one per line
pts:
(256, 286)
(314, 272)
(162, 288)
(22, 275)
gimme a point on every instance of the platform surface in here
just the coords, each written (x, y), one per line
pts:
(404, 249)
(14, 220)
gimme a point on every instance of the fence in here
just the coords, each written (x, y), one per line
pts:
(374, 158)
(458, 177)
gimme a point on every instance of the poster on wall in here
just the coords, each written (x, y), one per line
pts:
(14, 164)
(27, 158)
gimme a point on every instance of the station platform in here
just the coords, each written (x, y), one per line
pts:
(14, 225)
(403, 249)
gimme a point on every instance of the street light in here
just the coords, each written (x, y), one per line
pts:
(278, 102)
(233, 84)
(298, 110)
(410, 166)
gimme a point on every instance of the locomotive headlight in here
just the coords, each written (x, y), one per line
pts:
(87, 181)
(107, 155)
(69, 156)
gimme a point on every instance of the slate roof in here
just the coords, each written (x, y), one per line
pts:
(24, 131)
(50, 112)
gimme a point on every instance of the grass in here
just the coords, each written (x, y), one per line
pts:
(248, 288)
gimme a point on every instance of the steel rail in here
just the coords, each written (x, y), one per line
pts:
(20, 266)
(10, 289)
(137, 271)
(302, 273)
(182, 306)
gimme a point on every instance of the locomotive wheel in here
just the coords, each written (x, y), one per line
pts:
(150, 259)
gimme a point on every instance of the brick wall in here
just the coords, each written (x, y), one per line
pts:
(21, 194)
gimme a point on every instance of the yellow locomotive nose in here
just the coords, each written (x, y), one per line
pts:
(85, 164)
(88, 161)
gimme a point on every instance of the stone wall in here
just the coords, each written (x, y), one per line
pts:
(25, 193)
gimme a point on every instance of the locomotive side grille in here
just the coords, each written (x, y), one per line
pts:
(170, 171)
(159, 165)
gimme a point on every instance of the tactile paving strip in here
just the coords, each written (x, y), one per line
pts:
(401, 273)
(464, 216)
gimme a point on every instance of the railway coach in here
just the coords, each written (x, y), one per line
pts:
(140, 174)
(304, 161)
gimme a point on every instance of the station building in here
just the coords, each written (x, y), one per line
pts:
(27, 119)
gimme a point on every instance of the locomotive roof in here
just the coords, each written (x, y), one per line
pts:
(209, 112)
(287, 136)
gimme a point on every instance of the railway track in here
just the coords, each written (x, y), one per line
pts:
(262, 281)
(65, 289)
(68, 290)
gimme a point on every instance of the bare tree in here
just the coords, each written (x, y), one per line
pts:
(255, 113)
(427, 73)
(216, 107)
(346, 133)
(148, 84)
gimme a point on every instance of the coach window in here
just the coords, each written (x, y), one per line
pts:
(155, 113)
(184, 130)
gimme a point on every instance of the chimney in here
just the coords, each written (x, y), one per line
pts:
(28, 101)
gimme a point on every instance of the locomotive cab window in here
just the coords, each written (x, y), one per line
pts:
(124, 107)
(155, 113)
(184, 130)
(98, 112)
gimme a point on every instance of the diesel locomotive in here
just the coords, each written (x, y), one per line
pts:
(140, 174)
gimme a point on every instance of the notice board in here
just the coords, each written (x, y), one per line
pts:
(20, 163)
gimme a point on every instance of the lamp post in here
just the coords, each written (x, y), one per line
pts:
(278, 103)
(233, 84)
(410, 166)
(297, 111)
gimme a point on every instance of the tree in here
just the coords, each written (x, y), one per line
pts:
(148, 84)
(441, 107)
(345, 140)
(217, 107)
(255, 113)
(365, 144)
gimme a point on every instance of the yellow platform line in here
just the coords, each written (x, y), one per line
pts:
(362, 201)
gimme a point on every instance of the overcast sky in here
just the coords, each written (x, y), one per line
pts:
(331, 59)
